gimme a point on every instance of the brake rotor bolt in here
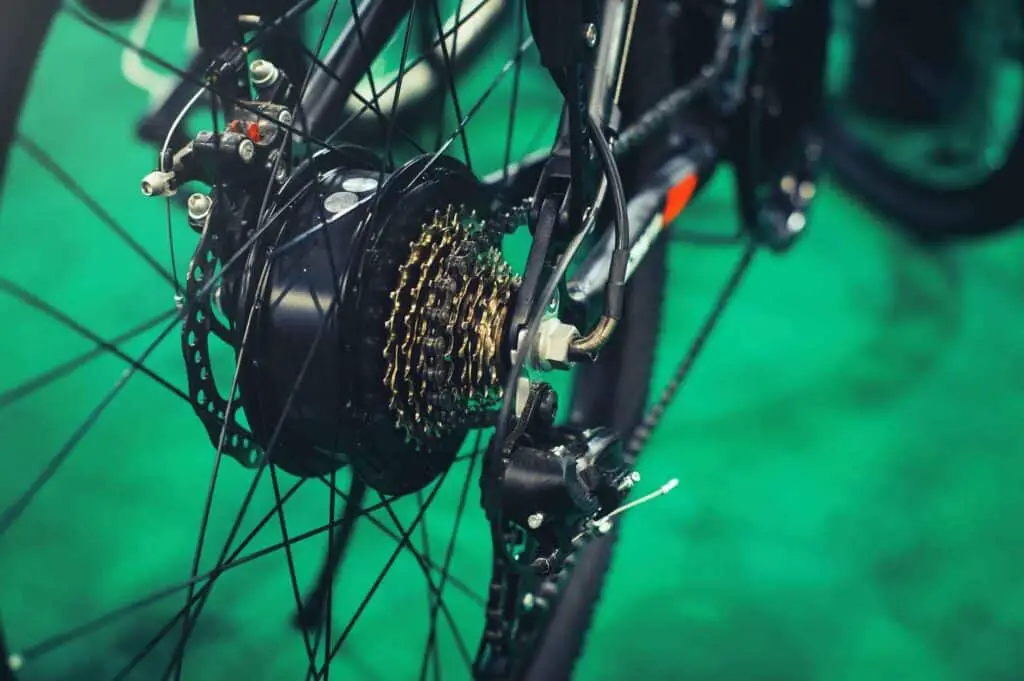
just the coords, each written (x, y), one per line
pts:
(246, 150)
(590, 34)
(199, 207)
(263, 73)
(535, 520)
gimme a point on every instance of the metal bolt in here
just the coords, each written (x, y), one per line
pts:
(796, 222)
(263, 73)
(806, 190)
(285, 117)
(199, 207)
(246, 150)
(15, 661)
(628, 482)
(535, 520)
(590, 34)
(340, 202)
(359, 185)
(528, 601)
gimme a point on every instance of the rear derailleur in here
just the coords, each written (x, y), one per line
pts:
(558, 485)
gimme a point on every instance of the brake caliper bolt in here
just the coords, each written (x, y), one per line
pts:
(246, 150)
(199, 207)
(263, 73)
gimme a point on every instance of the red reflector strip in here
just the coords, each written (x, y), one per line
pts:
(677, 198)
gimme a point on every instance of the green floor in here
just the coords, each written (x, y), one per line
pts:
(849, 455)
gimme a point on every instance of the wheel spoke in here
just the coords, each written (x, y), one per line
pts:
(446, 568)
(51, 166)
(216, 91)
(402, 544)
(31, 386)
(366, 513)
(317, 609)
(189, 621)
(514, 99)
(293, 578)
(450, 70)
(413, 64)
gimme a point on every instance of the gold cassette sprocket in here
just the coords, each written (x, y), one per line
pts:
(445, 327)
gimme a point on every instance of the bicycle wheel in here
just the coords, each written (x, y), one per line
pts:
(278, 412)
(928, 124)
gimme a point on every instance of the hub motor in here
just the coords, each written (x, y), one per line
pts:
(378, 315)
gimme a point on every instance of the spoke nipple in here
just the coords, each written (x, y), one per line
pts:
(263, 73)
(535, 520)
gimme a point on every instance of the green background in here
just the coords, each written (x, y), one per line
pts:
(848, 449)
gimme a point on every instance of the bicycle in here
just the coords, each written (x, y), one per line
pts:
(318, 258)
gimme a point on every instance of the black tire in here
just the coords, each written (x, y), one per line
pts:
(623, 371)
(926, 211)
(23, 27)
(614, 391)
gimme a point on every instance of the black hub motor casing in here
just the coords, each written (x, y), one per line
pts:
(321, 315)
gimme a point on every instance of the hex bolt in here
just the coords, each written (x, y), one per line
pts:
(535, 520)
(199, 207)
(263, 73)
(590, 34)
(285, 117)
(246, 150)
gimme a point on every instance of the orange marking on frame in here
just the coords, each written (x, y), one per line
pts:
(677, 198)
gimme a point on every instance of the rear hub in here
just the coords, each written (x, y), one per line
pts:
(378, 313)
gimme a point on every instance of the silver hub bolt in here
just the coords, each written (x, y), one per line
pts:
(340, 202)
(359, 185)
(535, 520)
(246, 150)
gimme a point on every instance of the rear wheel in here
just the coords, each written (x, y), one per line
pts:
(624, 371)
